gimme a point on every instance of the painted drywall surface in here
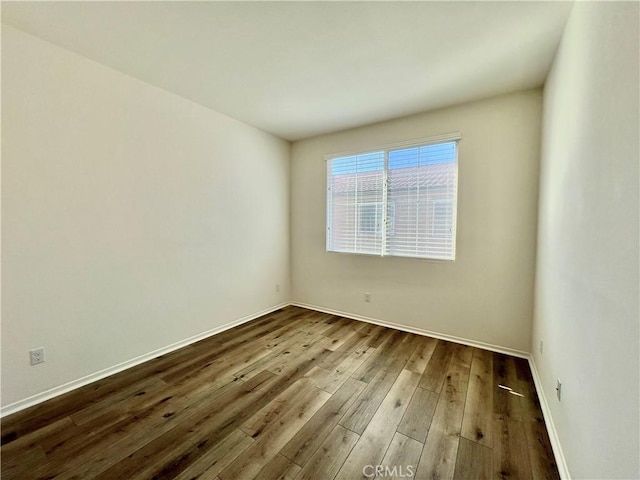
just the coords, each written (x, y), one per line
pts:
(486, 295)
(132, 218)
(586, 302)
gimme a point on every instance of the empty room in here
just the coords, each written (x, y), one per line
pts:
(320, 240)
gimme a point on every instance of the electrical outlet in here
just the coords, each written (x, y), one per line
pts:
(367, 297)
(36, 355)
(559, 389)
(277, 287)
(541, 346)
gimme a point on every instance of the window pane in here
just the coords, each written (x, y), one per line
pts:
(415, 216)
(422, 186)
(354, 206)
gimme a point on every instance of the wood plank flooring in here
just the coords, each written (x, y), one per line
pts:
(296, 395)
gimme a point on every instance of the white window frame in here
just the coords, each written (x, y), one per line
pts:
(451, 137)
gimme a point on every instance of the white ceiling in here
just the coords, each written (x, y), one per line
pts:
(298, 69)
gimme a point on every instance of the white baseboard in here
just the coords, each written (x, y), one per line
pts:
(418, 331)
(80, 382)
(563, 469)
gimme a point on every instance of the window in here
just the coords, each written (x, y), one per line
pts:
(395, 200)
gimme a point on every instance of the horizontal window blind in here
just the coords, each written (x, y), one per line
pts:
(394, 201)
(355, 215)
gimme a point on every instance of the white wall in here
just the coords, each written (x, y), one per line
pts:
(132, 218)
(586, 303)
(486, 295)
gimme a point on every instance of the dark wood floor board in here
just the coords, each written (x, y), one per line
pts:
(309, 359)
(543, 464)
(356, 343)
(379, 336)
(328, 459)
(523, 372)
(63, 428)
(510, 450)
(306, 365)
(353, 343)
(477, 424)
(297, 343)
(164, 457)
(125, 396)
(473, 462)
(78, 439)
(206, 391)
(409, 346)
(102, 433)
(323, 317)
(292, 395)
(338, 375)
(377, 360)
(314, 324)
(332, 319)
(104, 452)
(284, 401)
(295, 354)
(217, 353)
(334, 344)
(172, 452)
(216, 367)
(302, 446)
(208, 465)
(367, 404)
(237, 358)
(376, 438)
(112, 427)
(505, 375)
(317, 374)
(223, 342)
(434, 373)
(100, 459)
(41, 415)
(417, 418)
(342, 327)
(401, 460)
(438, 457)
(441, 446)
(275, 437)
(279, 468)
(213, 429)
(274, 325)
(255, 368)
(211, 420)
(371, 329)
(276, 340)
(22, 464)
(148, 398)
(420, 358)
(462, 354)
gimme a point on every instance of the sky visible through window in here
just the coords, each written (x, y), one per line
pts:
(400, 158)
